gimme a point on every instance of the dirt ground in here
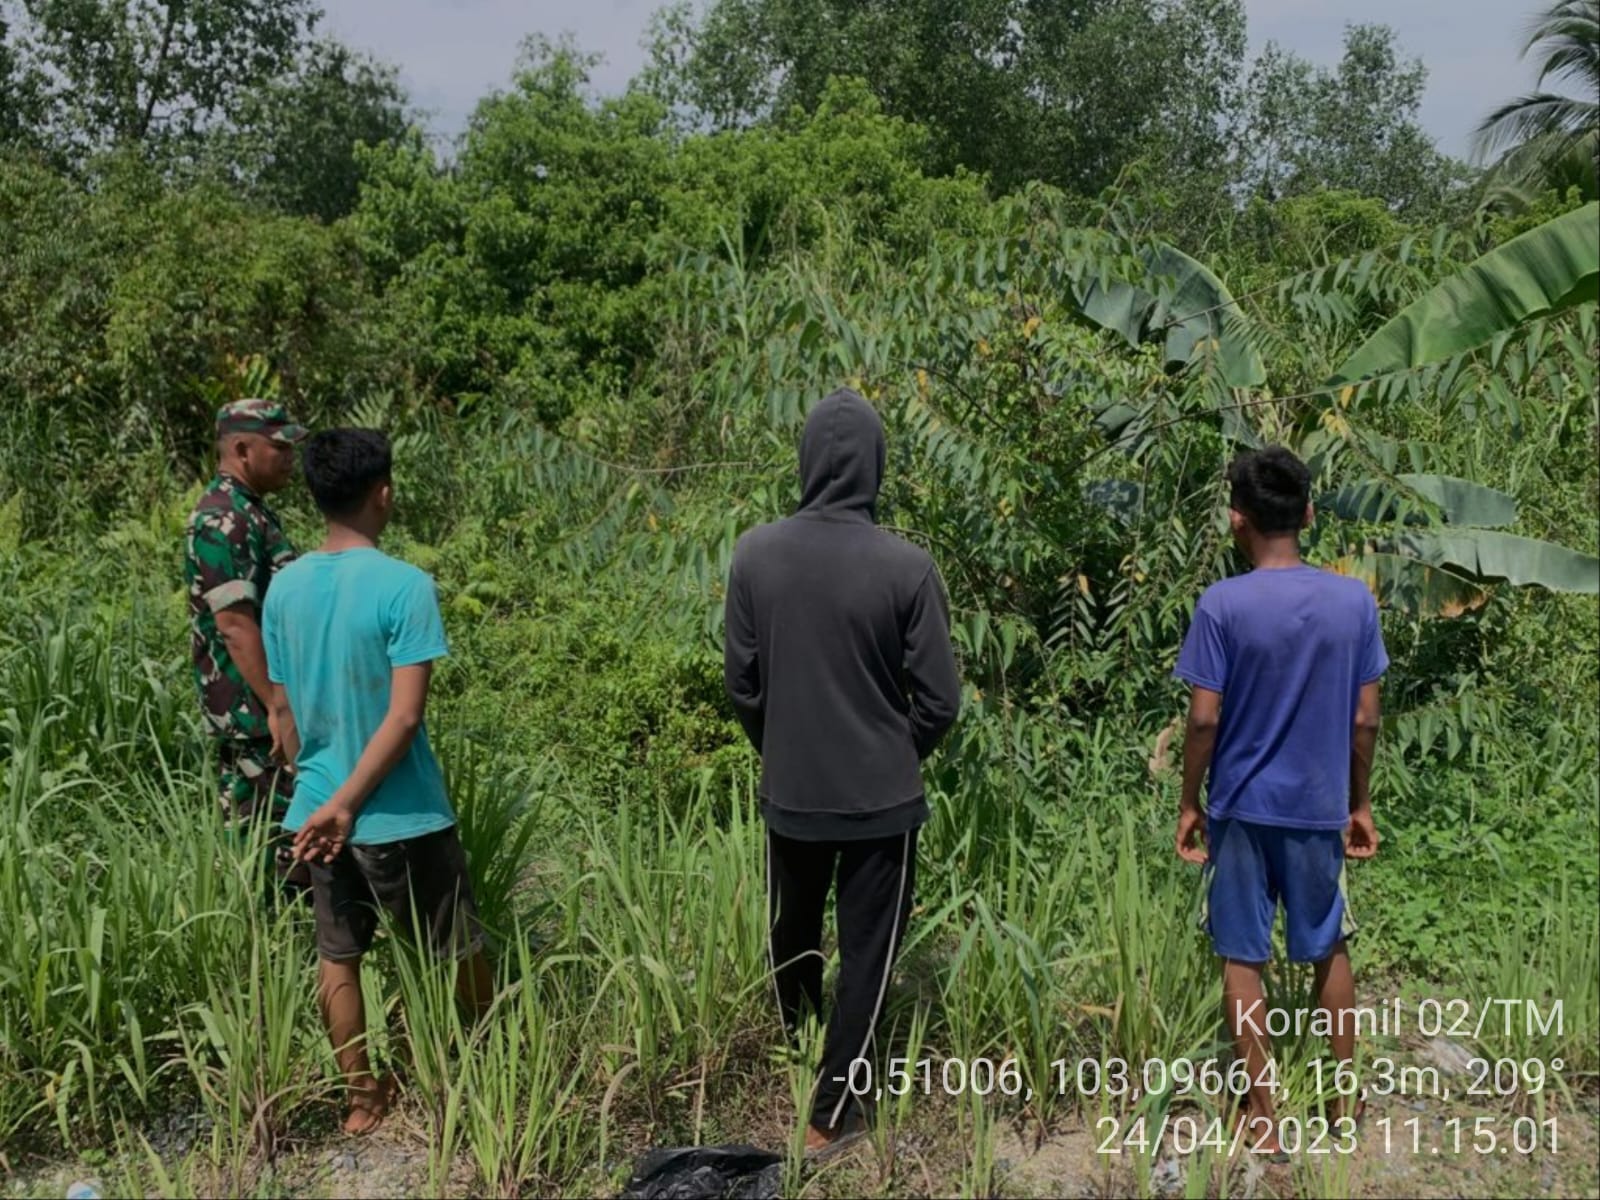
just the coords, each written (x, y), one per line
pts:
(930, 1154)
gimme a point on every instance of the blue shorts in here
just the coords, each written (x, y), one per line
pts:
(1251, 867)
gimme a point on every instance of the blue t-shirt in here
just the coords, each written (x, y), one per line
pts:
(335, 626)
(1289, 649)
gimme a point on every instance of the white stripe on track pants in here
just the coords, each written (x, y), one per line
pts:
(875, 877)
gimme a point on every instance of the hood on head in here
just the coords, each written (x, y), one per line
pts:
(841, 456)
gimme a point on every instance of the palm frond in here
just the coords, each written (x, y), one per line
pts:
(1538, 132)
(1556, 161)
(1535, 115)
(1573, 61)
(1573, 21)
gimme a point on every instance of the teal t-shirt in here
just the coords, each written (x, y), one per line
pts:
(335, 626)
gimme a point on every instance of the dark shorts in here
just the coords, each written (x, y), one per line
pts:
(428, 872)
(1251, 868)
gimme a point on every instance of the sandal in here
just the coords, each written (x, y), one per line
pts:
(846, 1136)
(1242, 1114)
(368, 1107)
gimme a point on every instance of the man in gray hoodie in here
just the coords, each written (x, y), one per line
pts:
(839, 664)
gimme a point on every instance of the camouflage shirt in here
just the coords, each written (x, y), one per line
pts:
(233, 547)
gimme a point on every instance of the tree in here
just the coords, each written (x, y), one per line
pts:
(1545, 138)
(19, 92)
(536, 269)
(10, 87)
(152, 74)
(294, 144)
(1354, 128)
(1019, 89)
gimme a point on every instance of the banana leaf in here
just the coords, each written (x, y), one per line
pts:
(1181, 301)
(1462, 501)
(1410, 586)
(1546, 270)
(1489, 554)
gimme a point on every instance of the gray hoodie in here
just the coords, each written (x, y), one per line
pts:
(837, 655)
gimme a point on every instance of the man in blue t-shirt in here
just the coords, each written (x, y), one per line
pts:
(351, 636)
(1284, 663)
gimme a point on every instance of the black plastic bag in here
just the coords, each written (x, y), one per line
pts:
(693, 1172)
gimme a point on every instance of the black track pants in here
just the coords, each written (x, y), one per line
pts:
(875, 880)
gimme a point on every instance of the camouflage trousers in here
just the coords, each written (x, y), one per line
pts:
(254, 787)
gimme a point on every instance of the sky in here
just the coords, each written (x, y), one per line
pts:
(452, 52)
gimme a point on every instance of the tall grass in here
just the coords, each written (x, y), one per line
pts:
(140, 977)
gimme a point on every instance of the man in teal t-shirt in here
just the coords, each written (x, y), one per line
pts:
(351, 635)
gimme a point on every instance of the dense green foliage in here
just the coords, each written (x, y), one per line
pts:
(594, 335)
(236, 90)
(986, 78)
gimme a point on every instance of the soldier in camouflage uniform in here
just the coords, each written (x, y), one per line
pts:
(233, 547)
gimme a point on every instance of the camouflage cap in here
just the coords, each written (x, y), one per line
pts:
(267, 417)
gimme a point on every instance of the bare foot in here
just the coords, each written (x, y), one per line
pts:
(369, 1104)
